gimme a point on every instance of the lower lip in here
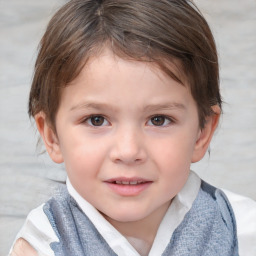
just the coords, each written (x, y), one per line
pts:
(128, 190)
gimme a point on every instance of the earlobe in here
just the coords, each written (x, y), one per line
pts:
(49, 137)
(205, 134)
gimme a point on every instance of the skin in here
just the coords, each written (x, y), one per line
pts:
(127, 120)
(23, 248)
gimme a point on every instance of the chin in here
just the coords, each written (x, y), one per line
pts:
(127, 216)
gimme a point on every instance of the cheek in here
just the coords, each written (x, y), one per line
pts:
(83, 166)
(84, 157)
(175, 169)
(173, 150)
(173, 159)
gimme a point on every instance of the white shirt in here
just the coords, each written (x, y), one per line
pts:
(37, 227)
(180, 205)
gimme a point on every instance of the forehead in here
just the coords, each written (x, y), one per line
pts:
(109, 79)
(107, 59)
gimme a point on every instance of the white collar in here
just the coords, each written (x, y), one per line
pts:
(180, 205)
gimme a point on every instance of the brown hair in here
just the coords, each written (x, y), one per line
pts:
(146, 30)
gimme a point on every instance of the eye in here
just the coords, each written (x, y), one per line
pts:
(97, 121)
(159, 121)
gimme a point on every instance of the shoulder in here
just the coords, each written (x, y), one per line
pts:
(215, 198)
(23, 248)
(209, 226)
(245, 213)
(239, 213)
(221, 216)
(224, 210)
(36, 232)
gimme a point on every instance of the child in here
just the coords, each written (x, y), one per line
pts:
(126, 94)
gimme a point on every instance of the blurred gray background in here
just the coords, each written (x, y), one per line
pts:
(27, 178)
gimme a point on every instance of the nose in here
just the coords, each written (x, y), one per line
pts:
(128, 147)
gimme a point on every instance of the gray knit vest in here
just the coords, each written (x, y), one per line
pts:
(208, 229)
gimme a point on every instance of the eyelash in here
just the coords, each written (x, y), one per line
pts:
(165, 118)
(105, 122)
(88, 120)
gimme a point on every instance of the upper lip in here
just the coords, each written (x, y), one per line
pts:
(127, 181)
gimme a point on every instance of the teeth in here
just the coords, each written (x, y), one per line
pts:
(128, 182)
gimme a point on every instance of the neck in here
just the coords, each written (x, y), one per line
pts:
(141, 233)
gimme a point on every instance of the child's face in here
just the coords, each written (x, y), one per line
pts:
(127, 134)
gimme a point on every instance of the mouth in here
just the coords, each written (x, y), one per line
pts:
(135, 182)
(127, 181)
(128, 186)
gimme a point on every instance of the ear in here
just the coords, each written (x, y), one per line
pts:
(49, 137)
(205, 134)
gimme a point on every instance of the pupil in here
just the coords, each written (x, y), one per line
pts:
(97, 120)
(158, 120)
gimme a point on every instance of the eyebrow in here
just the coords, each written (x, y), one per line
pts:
(92, 105)
(148, 108)
(167, 106)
